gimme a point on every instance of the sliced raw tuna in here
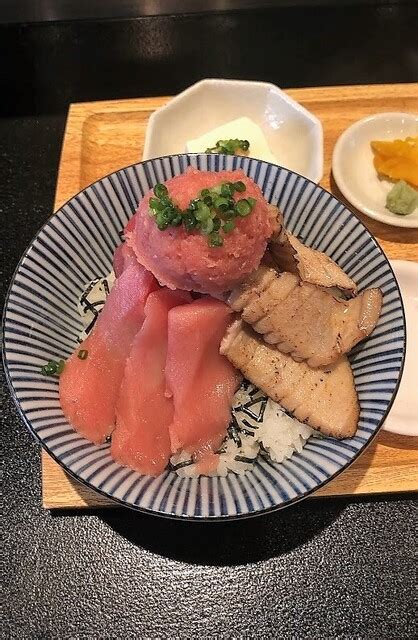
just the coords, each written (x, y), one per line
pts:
(201, 381)
(141, 438)
(122, 257)
(89, 387)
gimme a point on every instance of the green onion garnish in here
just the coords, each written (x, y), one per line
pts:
(53, 368)
(160, 190)
(82, 354)
(207, 226)
(155, 204)
(239, 186)
(243, 208)
(215, 240)
(227, 190)
(189, 221)
(202, 212)
(228, 226)
(221, 203)
(211, 213)
(230, 147)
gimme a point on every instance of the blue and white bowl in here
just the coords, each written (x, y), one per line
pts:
(76, 245)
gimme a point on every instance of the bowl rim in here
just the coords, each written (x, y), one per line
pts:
(343, 185)
(182, 517)
(318, 142)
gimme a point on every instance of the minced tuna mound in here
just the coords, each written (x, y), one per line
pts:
(182, 260)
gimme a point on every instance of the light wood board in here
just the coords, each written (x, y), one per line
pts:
(101, 137)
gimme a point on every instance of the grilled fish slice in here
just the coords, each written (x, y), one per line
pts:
(303, 319)
(309, 264)
(313, 396)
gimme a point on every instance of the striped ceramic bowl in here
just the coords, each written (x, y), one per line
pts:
(76, 245)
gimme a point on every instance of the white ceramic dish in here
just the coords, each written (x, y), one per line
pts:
(353, 170)
(403, 417)
(294, 135)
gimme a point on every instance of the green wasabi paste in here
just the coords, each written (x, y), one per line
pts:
(402, 199)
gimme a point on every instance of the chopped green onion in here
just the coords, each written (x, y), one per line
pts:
(239, 186)
(228, 226)
(53, 368)
(230, 147)
(243, 208)
(216, 189)
(155, 205)
(82, 354)
(49, 369)
(226, 190)
(162, 222)
(221, 203)
(206, 226)
(166, 201)
(211, 213)
(170, 213)
(203, 212)
(189, 221)
(215, 240)
(160, 190)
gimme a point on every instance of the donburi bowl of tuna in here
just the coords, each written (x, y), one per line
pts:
(204, 337)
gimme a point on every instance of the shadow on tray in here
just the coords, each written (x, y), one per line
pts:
(226, 543)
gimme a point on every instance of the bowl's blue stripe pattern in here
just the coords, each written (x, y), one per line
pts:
(77, 244)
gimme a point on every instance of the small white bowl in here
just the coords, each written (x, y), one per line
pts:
(294, 135)
(353, 169)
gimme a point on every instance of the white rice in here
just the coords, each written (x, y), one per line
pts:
(259, 426)
(269, 431)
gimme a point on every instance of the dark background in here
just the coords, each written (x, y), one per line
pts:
(322, 569)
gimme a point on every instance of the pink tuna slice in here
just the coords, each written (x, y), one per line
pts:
(141, 438)
(89, 388)
(201, 381)
(122, 257)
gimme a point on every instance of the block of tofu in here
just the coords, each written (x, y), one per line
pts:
(241, 128)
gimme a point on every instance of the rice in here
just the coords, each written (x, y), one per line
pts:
(258, 425)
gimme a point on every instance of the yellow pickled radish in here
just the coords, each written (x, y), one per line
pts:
(397, 159)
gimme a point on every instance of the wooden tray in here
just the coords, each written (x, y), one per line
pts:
(101, 137)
